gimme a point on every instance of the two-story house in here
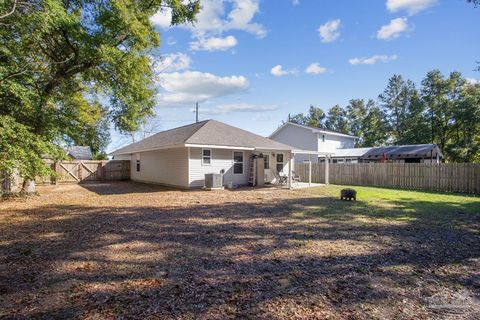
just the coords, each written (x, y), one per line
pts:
(312, 139)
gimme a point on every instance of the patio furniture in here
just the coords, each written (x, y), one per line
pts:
(280, 178)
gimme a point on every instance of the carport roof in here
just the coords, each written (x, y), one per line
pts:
(209, 133)
(403, 151)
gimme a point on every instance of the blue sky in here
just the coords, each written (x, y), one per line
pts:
(250, 63)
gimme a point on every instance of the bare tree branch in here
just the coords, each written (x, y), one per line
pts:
(11, 12)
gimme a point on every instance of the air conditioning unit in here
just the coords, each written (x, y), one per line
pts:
(213, 181)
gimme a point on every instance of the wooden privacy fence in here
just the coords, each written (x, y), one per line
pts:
(89, 170)
(448, 177)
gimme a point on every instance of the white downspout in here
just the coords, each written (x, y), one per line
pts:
(289, 183)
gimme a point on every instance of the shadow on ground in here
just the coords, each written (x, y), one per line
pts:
(297, 258)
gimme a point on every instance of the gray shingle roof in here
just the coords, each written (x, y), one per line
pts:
(79, 152)
(208, 132)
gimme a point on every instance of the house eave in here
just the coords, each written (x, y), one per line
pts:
(212, 146)
(146, 150)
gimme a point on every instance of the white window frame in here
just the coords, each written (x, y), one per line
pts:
(276, 161)
(243, 162)
(203, 158)
(266, 160)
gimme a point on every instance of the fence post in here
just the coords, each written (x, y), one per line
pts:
(327, 173)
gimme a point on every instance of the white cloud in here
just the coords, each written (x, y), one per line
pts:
(214, 44)
(213, 19)
(411, 6)
(172, 62)
(163, 18)
(315, 68)
(191, 86)
(372, 60)
(237, 107)
(472, 81)
(241, 16)
(329, 31)
(295, 2)
(393, 30)
(278, 71)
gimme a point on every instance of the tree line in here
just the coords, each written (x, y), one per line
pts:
(444, 110)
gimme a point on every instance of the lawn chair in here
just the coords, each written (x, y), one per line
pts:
(280, 178)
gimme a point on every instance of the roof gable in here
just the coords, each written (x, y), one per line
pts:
(208, 132)
(79, 152)
(312, 129)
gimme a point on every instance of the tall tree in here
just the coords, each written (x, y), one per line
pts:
(417, 129)
(463, 145)
(394, 100)
(58, 56)
(314, 118)
(356, 112)
(375, 126)
(436, 93)
(337, 120)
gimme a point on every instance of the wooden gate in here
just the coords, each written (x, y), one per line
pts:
(89, 170)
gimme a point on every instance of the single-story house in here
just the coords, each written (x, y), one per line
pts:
(79, 152)
(181, 157)
(415, 153)
(312, 139)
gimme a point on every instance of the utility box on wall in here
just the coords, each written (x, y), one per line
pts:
(213, 181)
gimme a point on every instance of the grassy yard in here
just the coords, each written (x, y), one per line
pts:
(127, 250)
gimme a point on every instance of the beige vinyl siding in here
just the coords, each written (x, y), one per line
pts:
(166, 167)
(220, 159)
(122, 157)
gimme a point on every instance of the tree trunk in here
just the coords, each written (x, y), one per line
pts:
(28, 187)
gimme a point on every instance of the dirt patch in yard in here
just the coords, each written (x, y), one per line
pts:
(128, 250)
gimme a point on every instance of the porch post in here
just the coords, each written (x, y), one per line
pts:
(309, 170)
(289, 183)
(327, 169)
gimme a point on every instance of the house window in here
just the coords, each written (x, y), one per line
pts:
(279, 162)
(138, 165)
(206, 157)
(323, 138)
(266, 160)
(238, 162)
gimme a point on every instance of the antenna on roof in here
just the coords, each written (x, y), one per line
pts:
(196, 112)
